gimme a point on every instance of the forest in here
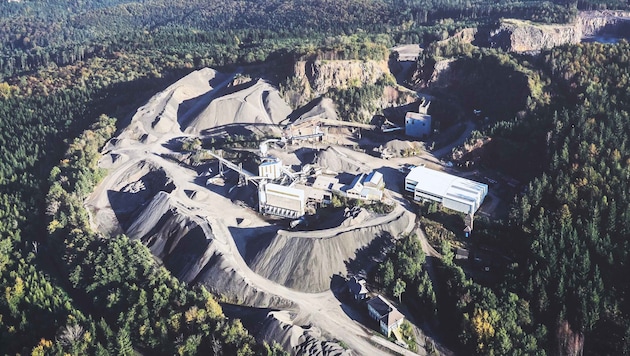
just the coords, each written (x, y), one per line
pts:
(573, 219)
(70, 71)
(37, 34)
(565, 291)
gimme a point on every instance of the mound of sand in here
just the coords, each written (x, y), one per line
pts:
(311, 258)
(161, 113)
(279, 327)
(191, 250)
(322, 108)
(334, 161)
(256, 103)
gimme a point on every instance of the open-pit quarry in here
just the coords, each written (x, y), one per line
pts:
(205, 227)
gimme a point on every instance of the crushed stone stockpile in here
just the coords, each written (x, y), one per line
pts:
(162, 113)
(160, 202)
(189, 248)
(335, 161)
(321, 108)
(400, 146)
(252, 103)
(279, 327)
(311, 258)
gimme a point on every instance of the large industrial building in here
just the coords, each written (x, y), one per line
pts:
(459, 194)
(279, 200)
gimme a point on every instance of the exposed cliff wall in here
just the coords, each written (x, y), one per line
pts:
(319, 76)
(593, 23)
(524, 36)
(312, 79)
(442, 75)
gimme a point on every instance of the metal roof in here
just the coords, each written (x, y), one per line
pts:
(392, 317)
(375, 178)
(325, 182)
(446, 185)
(380, 305)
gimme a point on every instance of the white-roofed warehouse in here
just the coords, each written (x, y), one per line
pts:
(460, 194)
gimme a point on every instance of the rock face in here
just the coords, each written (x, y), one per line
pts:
(320, 75)
(523, 36)
(442, 74)
(313, 78)
(593, 23)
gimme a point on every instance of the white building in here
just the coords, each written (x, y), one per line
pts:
(365, 187)
(374, 180)
(459, 194)
(271, 168)
(321, 191)
(279, 200)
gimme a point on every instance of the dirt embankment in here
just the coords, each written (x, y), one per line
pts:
(310, 259)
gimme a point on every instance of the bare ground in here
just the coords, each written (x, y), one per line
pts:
(202, 235)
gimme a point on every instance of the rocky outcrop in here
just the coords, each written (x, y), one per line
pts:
(524, 36)
(442, 74)
(313, 78)
(320, 75)
(594, 23)
(466, 35)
